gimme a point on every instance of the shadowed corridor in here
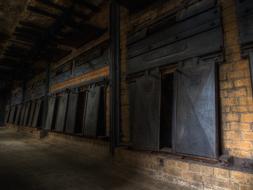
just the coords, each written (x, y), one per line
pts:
(28, 163)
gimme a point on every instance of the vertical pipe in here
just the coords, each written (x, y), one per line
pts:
(115, 74)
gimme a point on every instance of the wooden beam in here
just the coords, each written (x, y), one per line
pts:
(26, 30)
(62, 8)
(87, 5)
(30, 37)
(42, 12)
(23, 43)
(83, 49)
(52, 4)
(32, 25)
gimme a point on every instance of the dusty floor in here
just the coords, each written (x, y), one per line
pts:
(29, 163)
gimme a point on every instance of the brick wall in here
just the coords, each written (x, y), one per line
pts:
(185, 172)
(235, 91)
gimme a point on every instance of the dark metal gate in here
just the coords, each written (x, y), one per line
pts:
(145, 111)
(18, 113)
(31, 115)
(50, 113)
(7, 114)
(61, 113)
(26, 114)
(71, 113)
(92, 109)
(12, 114)
(37, 113)
(22, 115)
(195, 131)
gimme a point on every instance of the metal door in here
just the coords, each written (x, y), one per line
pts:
(37, 113)
(195, 130)
(145, 97)
(71, 113)
(61, 113)
(12, 115)
(7, 114)
(50, 113)
(26, 115)
(31, 115)
(22, 114)
(92, 109)
(18, 113)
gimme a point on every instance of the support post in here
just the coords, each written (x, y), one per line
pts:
(115, 74)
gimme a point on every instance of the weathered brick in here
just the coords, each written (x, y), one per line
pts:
(226, 85)
(229, 101)
(237, 92)
(237, 74)
(232, 117)
(221, 173)
(242, 82)
(247, 117)
(239, 109)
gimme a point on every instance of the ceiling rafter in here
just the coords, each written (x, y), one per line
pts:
(42, 12)
(36, 41)
(88, 5)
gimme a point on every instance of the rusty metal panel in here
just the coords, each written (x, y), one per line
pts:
(193, 31)
(195, 130)
(37, 113)
(30, 118)
(92, 110)
(61, 113)
(145, 97)
(71, 113)
(18, 113)
(22, 114)
(50, 113)
(12, 114)
(26, 115)
(7, 114)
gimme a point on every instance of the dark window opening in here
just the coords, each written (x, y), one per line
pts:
(166, 112)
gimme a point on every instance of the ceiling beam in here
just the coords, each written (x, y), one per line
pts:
(52, 4)
(41, 12)
(63, 8)
(28, 31)
(23, 43)
(32, 25)
(30, 37)
(87, 4)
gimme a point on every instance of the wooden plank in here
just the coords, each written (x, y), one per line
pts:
(200, 45)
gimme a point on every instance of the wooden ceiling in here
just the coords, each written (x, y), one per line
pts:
(136, 5)
(46, 31)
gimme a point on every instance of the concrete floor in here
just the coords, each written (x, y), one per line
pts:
(29, 163)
